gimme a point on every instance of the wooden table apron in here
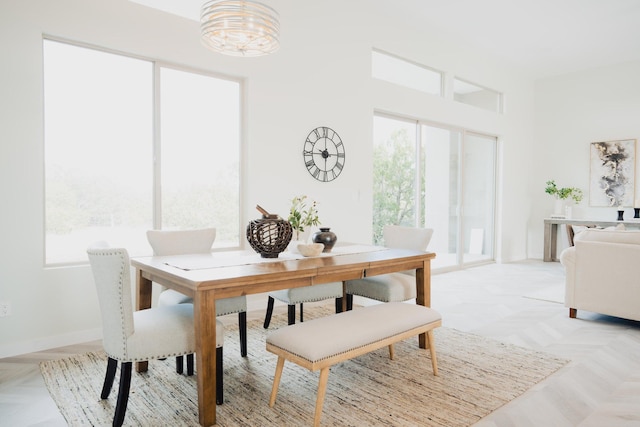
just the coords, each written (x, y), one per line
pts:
(207, 285)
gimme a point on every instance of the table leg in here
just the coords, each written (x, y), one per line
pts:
(550, 242)
(204, 319)
(423, 294)
(143, 301)
(344, 296)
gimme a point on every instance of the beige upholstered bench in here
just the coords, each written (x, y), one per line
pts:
(323, 342)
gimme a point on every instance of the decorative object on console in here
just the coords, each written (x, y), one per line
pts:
(239, 27)
(620, 214)
(269, 235)
(612, 173)
(325, 236)
(323, 154)
(561, 195)
(636, 209)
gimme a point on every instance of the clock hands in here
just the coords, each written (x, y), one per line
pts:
(325, 153)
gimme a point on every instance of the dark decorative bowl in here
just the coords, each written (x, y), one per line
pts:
(269, 235)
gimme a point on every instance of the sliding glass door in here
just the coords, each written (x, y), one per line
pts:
(436, 177)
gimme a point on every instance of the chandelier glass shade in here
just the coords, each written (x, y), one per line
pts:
(239, 27)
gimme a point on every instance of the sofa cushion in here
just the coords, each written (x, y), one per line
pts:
(612, 236)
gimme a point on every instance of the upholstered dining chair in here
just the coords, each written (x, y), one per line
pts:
(295, 296)
(393, 287)
(180, 242)
(129, 336)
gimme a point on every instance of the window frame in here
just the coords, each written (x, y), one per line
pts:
(155, 155)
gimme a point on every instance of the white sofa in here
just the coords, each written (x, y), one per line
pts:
(603, 273)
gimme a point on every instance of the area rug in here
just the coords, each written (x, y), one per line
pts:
(476, 376)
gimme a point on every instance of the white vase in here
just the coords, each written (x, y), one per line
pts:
(568, 211)
(559, 210)
(301, 237)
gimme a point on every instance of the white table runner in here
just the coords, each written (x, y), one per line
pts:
(235, 258)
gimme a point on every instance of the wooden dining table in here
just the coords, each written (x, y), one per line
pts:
(207, 277)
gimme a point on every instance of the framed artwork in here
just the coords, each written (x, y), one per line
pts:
(612, 177)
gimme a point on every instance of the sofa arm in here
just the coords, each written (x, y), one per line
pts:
(606, 279)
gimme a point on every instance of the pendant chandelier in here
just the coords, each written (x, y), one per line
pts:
(239, 27)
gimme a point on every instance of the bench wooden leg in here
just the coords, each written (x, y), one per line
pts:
(276, 381)
(573, 313)
(322, 388)
(432, 350)
(392, 354)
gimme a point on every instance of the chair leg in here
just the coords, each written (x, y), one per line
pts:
(301, 314)
(179, 364)
(292, 314)
(219, 377)
(123, 393)
(267, 317)
(112, 365)
(242, 327)
(338, 305)
(349, 302)
(189, 364)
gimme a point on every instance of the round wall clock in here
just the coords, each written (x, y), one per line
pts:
(324, 154)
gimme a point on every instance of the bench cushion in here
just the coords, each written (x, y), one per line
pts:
(329, 336)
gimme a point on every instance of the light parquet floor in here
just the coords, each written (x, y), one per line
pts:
(599, 387)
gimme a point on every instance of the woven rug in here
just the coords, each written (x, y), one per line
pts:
(476, 376)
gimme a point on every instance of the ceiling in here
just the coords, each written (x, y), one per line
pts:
(545, 37)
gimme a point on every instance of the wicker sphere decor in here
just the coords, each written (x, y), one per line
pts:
(269, 235)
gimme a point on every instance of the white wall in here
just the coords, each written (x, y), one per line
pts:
(572, 111)
(320, 77)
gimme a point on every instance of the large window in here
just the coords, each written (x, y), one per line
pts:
(440, 178)
(132, 145)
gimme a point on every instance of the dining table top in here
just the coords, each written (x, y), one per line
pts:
(232, 273)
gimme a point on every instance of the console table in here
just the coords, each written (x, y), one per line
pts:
(551, 231)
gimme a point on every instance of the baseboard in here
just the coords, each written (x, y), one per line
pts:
(47, 343)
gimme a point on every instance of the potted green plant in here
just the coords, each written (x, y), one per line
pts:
(561, 195)
(301, 216)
